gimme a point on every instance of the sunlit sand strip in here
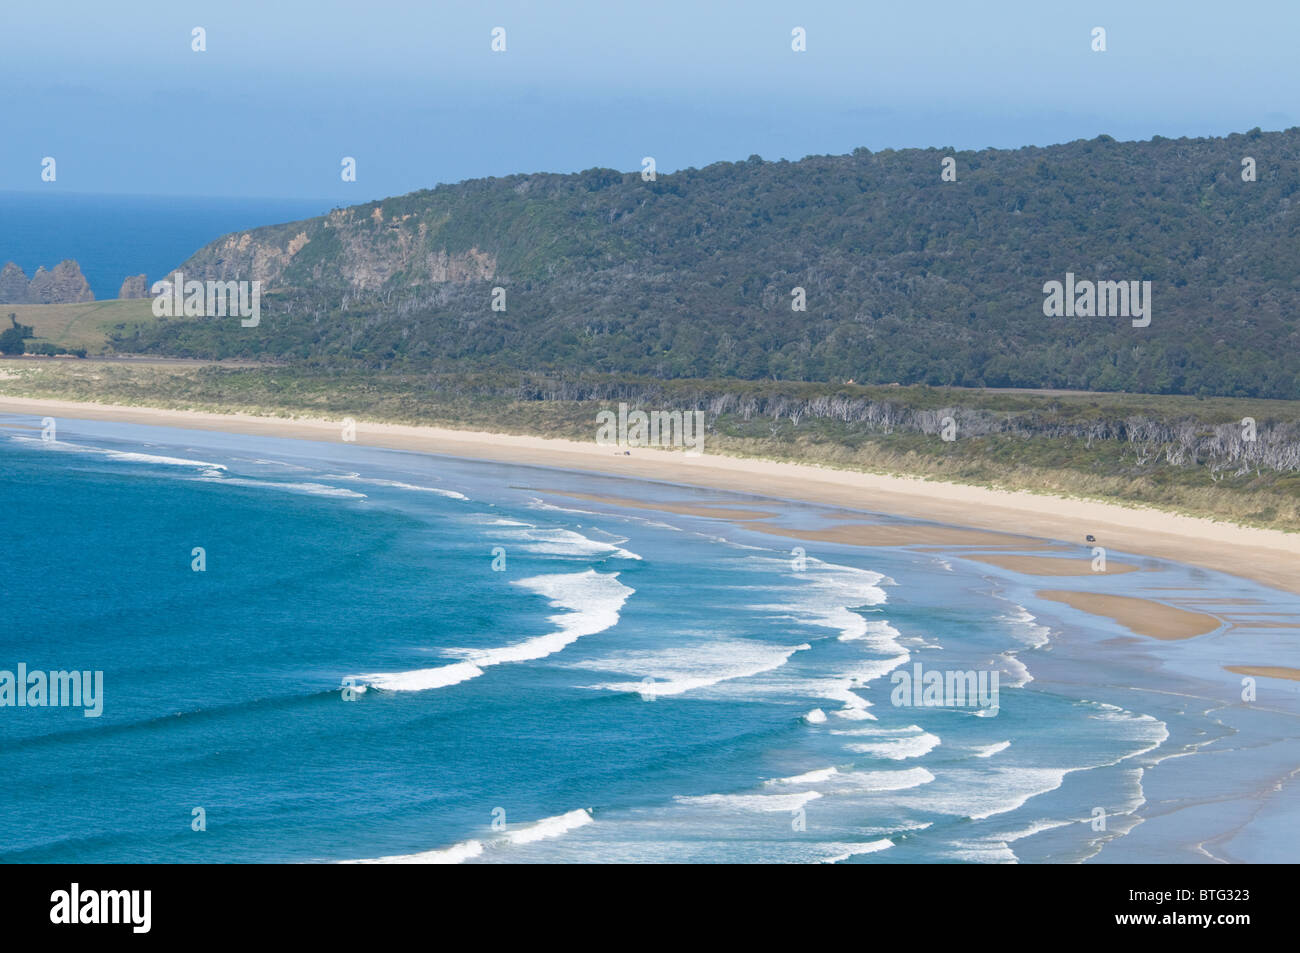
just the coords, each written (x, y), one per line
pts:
(1143, 616)
(1265, 671)
(1268, 556)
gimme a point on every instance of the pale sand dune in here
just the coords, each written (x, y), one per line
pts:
(1143, 616)
(1265, 671)
(1268, 556)
(1051, 566)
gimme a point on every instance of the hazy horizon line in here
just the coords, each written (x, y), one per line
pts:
(334, 202)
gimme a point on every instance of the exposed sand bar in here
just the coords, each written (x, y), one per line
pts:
(1269, 556)
(1143, 616)
(1265, 671)
(1049, 565)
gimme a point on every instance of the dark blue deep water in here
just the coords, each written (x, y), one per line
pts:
(113, 236)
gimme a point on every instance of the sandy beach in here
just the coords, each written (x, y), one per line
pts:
(975, 516)
(1158, 634)
(1143, 616)
(1265, 671)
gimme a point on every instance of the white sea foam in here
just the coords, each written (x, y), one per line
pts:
(856, 714)
(544, 829)
(988, 751)
(398, 485)
(1037, 827)
(833, 781)
(826, 594)
(996, 847)
(808, 777)
(124, 456)
(731, 543)
(536, 504)
(912, 742)
(989, 791)
(692, 666)
(840, 687)
(1025, 627)
(1017, 672)
(554, 541)
(311, 489)
(277, 463)
(550, 827)
(835, 688)
(591, 601)
(751, 802)
(865, 782)
(826, 598)
(980, 852)
(1147, 730)
(161, 460)
(878, 632)
(851, 850)
(455, 854)
(422, 679)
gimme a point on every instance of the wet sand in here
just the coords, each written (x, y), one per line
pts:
(1143, 616)
(1265, 671)
(971, 515)
(1051, 566)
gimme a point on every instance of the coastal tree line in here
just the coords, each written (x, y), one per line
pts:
(907, 278)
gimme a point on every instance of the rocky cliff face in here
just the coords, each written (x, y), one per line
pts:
(62, 284)
(135, 286)
(357, 248)
(13, 285)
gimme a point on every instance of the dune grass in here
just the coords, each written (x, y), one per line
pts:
(1103, 470)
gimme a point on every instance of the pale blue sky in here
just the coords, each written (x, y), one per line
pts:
(412, 90)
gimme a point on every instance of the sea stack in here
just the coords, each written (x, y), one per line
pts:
(63, 284)
(134, 286)
(13, 285)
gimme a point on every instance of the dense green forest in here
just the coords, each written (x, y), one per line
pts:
(908, 278)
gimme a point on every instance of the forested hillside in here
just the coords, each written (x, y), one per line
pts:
(908, 278)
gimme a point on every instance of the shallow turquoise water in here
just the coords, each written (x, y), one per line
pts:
(636, 686)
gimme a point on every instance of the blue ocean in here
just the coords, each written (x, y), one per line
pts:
(325, 652)
(113, 236)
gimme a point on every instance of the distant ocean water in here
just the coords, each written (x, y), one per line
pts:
(113, 236)
(630, 687)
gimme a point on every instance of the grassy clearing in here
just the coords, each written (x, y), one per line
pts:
(86, 325)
